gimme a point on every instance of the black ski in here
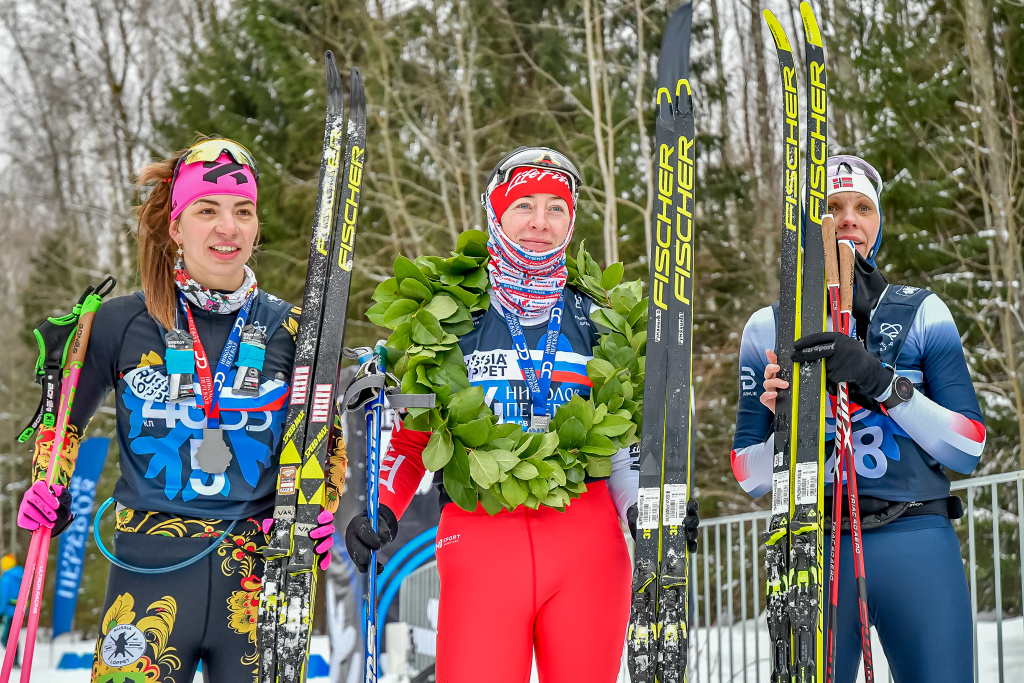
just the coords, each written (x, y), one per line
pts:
(289, 583)
(777, 536)
(675, 557)
(656, 636)
(806, 533)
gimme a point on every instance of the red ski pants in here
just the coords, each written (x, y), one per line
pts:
(557, 583)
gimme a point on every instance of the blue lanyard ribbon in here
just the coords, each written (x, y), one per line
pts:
(538, 387)
(211, 385)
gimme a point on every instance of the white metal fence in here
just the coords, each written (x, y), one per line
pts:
(729, 640)
(728, 636)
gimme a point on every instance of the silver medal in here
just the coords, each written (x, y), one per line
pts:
(539, 423)
(213, 455)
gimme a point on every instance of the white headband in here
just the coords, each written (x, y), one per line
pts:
(853, 182)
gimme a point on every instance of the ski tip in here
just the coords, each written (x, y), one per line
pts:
(664, 104)
(811, 32)
(334, 93)
(684, 100)
(778, 33)
(358, 97)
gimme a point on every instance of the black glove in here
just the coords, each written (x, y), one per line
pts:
(360, 538)
(691, 522)
(846, 360)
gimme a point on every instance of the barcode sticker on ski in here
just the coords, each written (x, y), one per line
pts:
(675, 504)
(648, 506)
(806, 483)
(780, 493)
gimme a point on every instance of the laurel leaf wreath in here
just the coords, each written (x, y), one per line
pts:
(430, 303)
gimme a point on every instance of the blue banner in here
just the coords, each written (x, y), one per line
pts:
(92, 455)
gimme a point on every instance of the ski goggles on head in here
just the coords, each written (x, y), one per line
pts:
(541, 158)
(210, 150)
(847, 164)
(197, 173)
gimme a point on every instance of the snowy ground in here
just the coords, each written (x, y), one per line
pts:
(45, 667)
(707, 660)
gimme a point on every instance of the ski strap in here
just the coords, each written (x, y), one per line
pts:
(371, 380)
(53, 337)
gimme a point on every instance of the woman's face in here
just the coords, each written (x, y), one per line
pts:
(217, 234)
(856, 219)
(538, 222)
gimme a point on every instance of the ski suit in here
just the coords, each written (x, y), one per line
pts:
(526, 582)
(917, 589)
(159, 626)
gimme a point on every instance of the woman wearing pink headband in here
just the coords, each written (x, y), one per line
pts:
(524, 583)
(199, 362)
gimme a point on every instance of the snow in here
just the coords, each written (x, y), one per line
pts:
(705, 655)
(45, 665)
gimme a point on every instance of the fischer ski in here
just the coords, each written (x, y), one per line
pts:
(806, 532)
(289, 583)
(657, 633)
(777, 536)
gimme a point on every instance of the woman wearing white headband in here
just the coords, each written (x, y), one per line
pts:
(914, 411)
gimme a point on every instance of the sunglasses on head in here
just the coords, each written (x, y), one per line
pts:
(533, 157)
(210, 150)
(847, 163)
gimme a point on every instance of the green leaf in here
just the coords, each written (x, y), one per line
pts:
(599, 467)
(476, 279)
(472, 243)
(514, 492)
(548, 444)
(599, 444)
(600, 369)
(376, 312)
(490, 502)
(386, 291)
(525, 471)
(441, 306)
(572, 434)
(465, 405)
(438, 450)
(414, 289)
(463, 496)
(399, 311)
(474, 433)
(612, 276)
(406, 269)
(459, 329)
(401, 338)
(506, 461)
(612, 425)
(483, 467)
(459, 464)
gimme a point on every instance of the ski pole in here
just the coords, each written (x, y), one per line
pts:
(847, 259)
(38, 552)
(374, 414)
(841, 412)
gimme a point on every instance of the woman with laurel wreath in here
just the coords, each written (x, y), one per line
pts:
(524, 582)
(199, 362)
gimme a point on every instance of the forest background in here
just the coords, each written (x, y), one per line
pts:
(929, 91)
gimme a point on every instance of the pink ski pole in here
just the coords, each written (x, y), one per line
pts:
(34, 580)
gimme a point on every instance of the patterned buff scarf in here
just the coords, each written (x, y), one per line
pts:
(212, 300)
(525, 282)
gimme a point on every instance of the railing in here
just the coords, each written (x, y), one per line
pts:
(729, 637)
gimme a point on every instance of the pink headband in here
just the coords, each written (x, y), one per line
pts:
(205, 178)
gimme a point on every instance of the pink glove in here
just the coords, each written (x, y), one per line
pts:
(41, 506)
(324, 531)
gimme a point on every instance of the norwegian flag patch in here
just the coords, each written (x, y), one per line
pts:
(842, 182)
